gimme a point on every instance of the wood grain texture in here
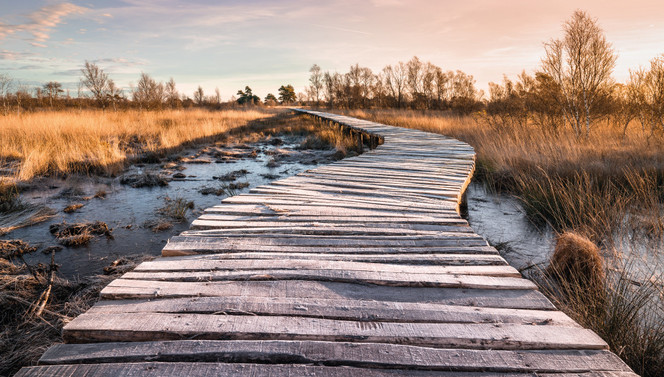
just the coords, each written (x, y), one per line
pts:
(367, 355)
(203, 369)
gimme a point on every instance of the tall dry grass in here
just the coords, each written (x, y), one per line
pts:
(57, 142)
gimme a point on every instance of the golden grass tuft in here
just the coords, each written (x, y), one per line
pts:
(60, 142)
(576, 257)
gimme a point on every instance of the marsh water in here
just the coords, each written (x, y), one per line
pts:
(206, 175)
(133, 213)
(501, 220)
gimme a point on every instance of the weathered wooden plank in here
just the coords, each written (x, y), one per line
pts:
(365, 277)
(515, 299)
(406, 204)
(324, 229)
(204, 223)
(183, 264)
(425, 240)
(184, 245)
(109, 327)
(380, 192)
(228, 370)
(342, 309)
(321, 210)
(314, 179)
(374, 216)
(400, 259)
(368, 355)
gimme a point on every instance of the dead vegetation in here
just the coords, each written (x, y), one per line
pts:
(576, 257)
(621, 307)
(145, 179)
(176, 208)
(35, 307)
(72, 208)
(79, 234)
(15, 213)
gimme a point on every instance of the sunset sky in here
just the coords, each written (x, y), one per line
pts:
(267, 43)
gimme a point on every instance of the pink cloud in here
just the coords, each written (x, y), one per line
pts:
(42, 22)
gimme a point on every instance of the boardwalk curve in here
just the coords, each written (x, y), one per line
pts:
(359, 268)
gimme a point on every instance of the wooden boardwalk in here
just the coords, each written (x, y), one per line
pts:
(359, 268)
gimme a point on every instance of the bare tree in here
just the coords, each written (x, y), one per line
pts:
(5, 87)
(96, 81)
(443, 91)
(414, 79)
(646, 91)
(217, 96)
(315, 83)
(114, 94)
(149, 93)
(22, 94)
(581, 64)
(53, 90)
(199, 96)
(395, 81)
(172, 96)
(428, 80)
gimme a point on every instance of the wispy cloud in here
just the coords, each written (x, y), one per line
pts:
(14, 55)
(40, 24)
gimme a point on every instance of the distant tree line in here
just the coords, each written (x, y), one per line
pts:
(415, 85)
(97, 90)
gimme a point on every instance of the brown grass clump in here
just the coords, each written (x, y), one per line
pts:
(79, 234)
(100, 194)
(161, 226)
(577, 258)
(143, 180)
(72, 208)
(60, 142)
(176, 208)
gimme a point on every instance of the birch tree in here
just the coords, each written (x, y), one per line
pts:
(581, 64)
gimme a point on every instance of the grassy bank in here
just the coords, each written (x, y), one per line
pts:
(607, 188)
(61, 142)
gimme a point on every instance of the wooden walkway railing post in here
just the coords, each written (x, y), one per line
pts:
(359, 268)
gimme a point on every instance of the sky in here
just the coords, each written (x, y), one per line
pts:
(268, 43)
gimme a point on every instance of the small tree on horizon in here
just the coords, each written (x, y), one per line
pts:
(199, 96)
(247, 97)
(96, 81)
(270, 99)
(315, 83)
(286, 94)
(53, 90)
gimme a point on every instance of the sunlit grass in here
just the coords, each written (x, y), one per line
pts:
(59, 142)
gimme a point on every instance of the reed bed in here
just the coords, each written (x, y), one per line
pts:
(62, 142)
